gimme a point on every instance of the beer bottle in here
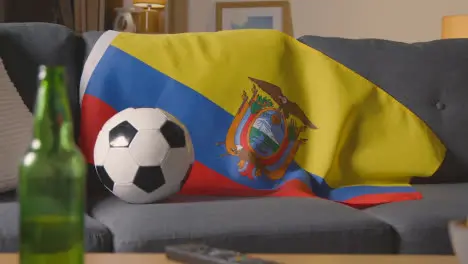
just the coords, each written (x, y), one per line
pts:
(52, 180)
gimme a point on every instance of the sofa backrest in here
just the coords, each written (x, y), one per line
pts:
(25, 46)
(429, 78)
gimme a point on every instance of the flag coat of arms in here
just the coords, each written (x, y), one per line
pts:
(267, 115)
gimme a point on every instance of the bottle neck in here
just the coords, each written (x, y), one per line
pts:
(53, 124)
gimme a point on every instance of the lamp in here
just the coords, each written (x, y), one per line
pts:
(150, 3)
(455, 26)
(154, 15)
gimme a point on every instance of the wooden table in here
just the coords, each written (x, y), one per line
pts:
(287, 259)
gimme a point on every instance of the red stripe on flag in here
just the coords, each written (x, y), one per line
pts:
(293, 188)
(205, 181)
(368, 200)
(94, 114)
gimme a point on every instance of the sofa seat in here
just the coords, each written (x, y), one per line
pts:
(266, 225)
(97, 236)
(422, 225)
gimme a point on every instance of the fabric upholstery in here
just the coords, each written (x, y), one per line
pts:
(25, 46)
(429, 78)
(287, 225)
(15, 133)
(97, 236)
(89, 40)
(422, 226)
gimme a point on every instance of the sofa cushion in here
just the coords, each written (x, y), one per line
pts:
(15, 132)
(429, 78)
(422, 225)
(278, 225)
(97, 236)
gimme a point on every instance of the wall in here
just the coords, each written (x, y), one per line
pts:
(400, 20)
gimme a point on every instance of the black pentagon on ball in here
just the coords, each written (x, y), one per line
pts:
(122, 135)
(104, 177)
(149, 179)
(174, 134)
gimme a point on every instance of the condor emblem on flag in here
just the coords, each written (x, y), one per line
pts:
(264, 134)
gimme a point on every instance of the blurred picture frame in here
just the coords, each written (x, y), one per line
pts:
(254, 14)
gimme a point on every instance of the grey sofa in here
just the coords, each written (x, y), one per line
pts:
(430, 78)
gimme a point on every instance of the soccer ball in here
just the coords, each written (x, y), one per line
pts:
(143, 155)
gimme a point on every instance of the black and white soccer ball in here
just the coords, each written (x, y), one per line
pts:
(143, 155)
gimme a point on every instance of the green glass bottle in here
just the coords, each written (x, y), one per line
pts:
(52, 180)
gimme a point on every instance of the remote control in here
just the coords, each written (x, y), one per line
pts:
(203, 254)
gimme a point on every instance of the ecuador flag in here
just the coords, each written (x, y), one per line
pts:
(267, 115)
